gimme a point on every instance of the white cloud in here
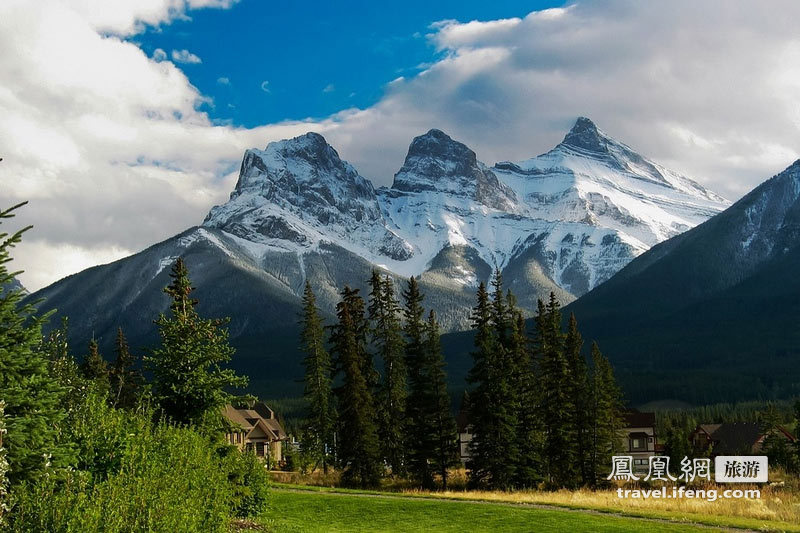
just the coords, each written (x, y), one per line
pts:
(223, 81)
(110, 148)
(265, 86)
(105, 142)
(159, 55)
(329, 88)
(709, 89)
(185, 56)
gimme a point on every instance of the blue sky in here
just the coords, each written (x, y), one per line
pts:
(316, 57)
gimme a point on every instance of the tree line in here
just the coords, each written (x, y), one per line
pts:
(539, 415)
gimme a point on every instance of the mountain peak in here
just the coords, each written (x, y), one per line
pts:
(437, 162)
(585, 135)
(437, 144)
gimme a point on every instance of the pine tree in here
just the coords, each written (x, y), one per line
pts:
(126, 381)
(504, 397)
(494, 444)
(359, 453)
(606, 415)
(33, 399)
(318, 441)
(439, 428)
(578, 393)
(95, 369)
(388, 339)
(556, 406)
(418, 454)
(529, 431)
(188, 382)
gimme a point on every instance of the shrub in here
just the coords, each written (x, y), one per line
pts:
(249, 481)
(134, 475)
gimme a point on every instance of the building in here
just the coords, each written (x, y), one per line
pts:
(732, 438)
(638, 438)
(256, 429)
(465, 431)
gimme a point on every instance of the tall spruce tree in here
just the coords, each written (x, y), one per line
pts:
(358, 448)
(529, 429)
(33, 398)
(418, 455)
(606, 417)
(95, 369)
(125, 379)
(556, 405)
(439, 428)
(387, 337)
(319, 430)
(578, 392)
(189, 383)
(493, 446)
(505, 398)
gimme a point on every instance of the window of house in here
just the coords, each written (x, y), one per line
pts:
(636, 443)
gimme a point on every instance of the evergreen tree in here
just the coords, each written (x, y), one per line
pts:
(318, 440)
(493, 409)
(578, 393)
(95, 369)
(556, 405)
(387, 336)
(606, 416)
(439, 428)
(529, 430)
(188, 382)
(63, 367)
(33, 399)
(418, 454)
(126, 381)
(359, 453)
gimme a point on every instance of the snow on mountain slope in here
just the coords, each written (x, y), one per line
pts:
(581, 211)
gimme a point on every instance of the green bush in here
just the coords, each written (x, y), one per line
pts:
(249, 481)
(134, 475)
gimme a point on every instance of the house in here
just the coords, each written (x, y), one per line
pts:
(732, 438)
(465, 430)
(638, 438)
(257, 429)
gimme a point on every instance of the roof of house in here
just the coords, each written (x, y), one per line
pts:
(247, 419)
(637, 419)
(235, 416)
(731, 438)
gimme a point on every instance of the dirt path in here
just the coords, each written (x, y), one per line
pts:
(543, 506)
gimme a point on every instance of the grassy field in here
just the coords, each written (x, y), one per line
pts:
(778, 508)
(293, 510)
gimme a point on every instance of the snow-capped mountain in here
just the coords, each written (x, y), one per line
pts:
(581, 211)
(562, 222)
(711, 314)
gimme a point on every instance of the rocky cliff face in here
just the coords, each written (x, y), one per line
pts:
(581, 211)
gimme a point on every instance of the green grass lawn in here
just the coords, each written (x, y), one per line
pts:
(329, 512)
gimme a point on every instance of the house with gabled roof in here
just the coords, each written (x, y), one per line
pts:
(638, 438)
(256, 428)
(733, 438)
